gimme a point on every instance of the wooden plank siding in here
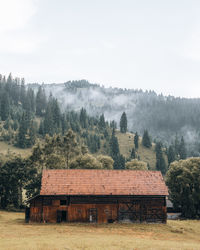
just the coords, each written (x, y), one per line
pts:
(107, 208)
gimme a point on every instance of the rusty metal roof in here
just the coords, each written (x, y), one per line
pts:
(102, 182)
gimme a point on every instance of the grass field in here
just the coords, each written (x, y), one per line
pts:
(126, 142)
(4, 148)
(175, 235)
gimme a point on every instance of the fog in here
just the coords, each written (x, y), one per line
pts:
(163, 116)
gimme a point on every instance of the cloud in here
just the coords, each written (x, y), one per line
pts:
(191, 47)
(15, 14)
(19, 44)
(17, 36)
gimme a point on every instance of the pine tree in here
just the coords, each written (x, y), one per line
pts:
(41, 128)
(133, 154)
(31, 100)
(69, 146)
(83, 118)
(40, 102)
(32, 133)
(119, 162)
(49, 126)
(23, 94)
(102, 123)
(136, 139)
(5, 106)
(21, 138)
(146, 141)
(171, 154)
(64, 126)
(55, 109)
(113, 124)
(123, 123)
(160, 161)
(176, 146)
(182, 149)
(114, 146)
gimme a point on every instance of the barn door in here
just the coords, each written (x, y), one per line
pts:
(61, 216)
(92, 212)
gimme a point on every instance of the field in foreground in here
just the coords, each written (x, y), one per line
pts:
(15, 234)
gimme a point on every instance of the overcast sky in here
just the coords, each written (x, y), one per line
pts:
(147, 44)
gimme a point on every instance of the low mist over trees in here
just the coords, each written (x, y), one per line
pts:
(164, 117)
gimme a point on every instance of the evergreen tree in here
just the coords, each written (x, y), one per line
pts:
(160, 161)
(69, 146)
(40, 102)
(32, 134)
(49, 126)
(146, 141)
(114, 146)
(182, 149)
(133, 154)
(102, 123)
(123, 123)
(30, 96)
(5, 106)
(136, 139)
(113, 124)
(55, 109)
(176, 146)
(171, 154)
(83, 118)
(23, 94)
(64, 126)
(41, 128)
(119, 162)
(21, 138)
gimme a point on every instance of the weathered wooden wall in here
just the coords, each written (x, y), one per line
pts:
(108, 209)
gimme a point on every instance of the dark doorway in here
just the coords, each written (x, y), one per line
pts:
(61, 216)
(64, 216)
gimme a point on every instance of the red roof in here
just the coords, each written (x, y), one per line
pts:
(102, 182)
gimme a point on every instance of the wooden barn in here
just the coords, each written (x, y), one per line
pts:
(103, 196)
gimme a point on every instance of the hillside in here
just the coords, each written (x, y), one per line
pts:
(29, 113)
(125, 144)
(5, 148)
(164, 116)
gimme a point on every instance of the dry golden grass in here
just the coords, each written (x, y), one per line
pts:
(4, 148)
(126, 143)
(176, 235)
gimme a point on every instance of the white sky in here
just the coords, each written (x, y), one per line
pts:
(121, 43)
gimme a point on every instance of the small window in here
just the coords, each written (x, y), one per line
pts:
(63, 202)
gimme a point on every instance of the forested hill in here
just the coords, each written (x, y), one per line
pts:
(164, 116)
